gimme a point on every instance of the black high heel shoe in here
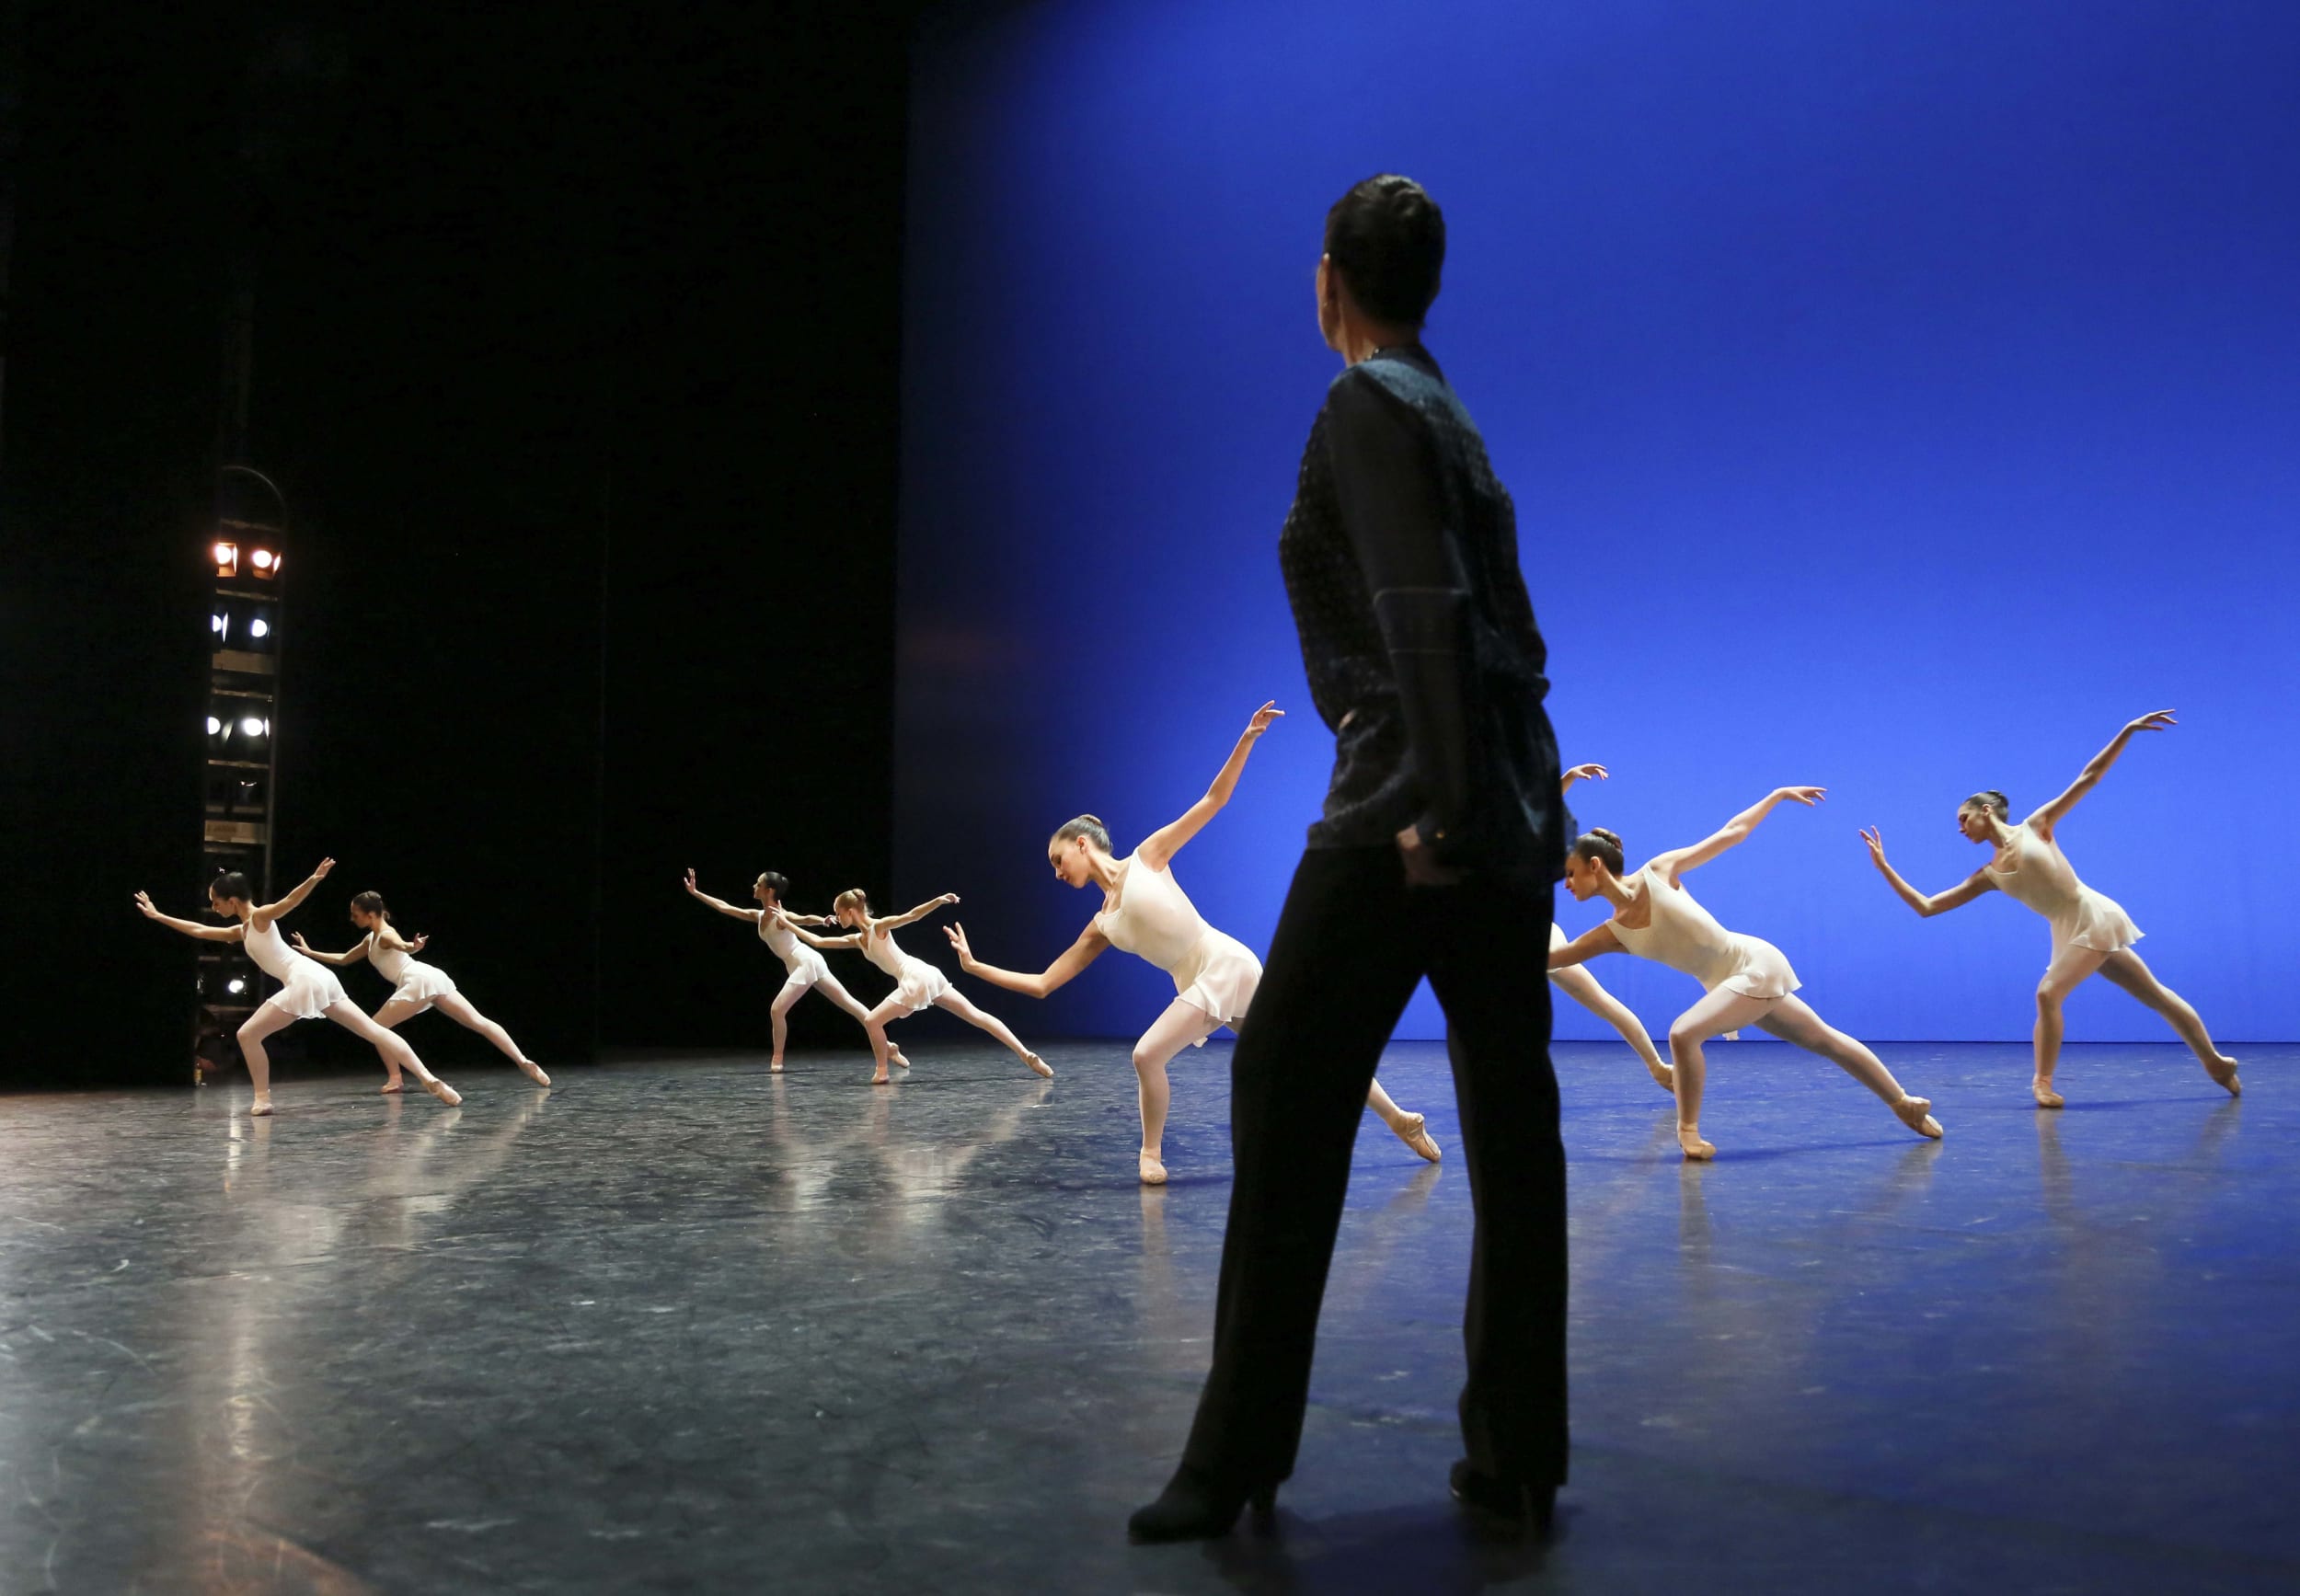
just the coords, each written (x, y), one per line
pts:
(1195, 1506)
(1513, 1504)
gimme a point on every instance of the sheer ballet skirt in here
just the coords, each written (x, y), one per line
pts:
(421, 983)
(1221, 987)
(920, 984)
(806, 967)
(307, 989)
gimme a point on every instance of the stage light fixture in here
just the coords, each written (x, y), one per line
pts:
(251, 725)
(236, 986)
(221, 625)
(226, 560)
(260, 627)
(215, 727)
(266, 562)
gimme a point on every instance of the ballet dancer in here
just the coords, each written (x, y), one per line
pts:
(1582, 986)
(415, 986)
(918, 984)
(807, 970)
(1145, 911)
(2090, 932)
(308, 991)
(1747, 979)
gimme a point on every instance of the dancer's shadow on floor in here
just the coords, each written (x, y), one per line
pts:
(1421, 1546)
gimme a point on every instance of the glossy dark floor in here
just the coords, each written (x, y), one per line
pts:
(684, 1326)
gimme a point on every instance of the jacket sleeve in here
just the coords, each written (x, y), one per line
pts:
(1385, 479)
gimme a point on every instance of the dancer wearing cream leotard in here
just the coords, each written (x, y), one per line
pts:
(415, 986)
(806, 971)
(918, 984)
(2090, 931)
(1145, 912)
(1747, 980)
(307, 989)
(1580, 985)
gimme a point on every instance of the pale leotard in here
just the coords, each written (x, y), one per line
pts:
(1686, 937)
(2043, 878)
(413, 980)
(804, 963)
(307, 986)
(916, 983)
(1153, 919)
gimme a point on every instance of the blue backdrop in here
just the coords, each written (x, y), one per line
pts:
(1896, 397)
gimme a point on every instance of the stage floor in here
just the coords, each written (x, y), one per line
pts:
(680, 1324)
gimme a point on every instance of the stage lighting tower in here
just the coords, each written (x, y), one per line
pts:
(247, 552)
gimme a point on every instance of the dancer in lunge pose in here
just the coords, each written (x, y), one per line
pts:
(415, 986)
(2090, 932)
(1582, 986)
(1746, 979)
(1145, 911)
(307, 991)
(807, 970)
(918, 984)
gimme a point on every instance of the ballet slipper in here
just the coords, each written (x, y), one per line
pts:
(774, 1067)
(1152, 1172)
(882, 1079)
(2042, 1087)
(2223, 1074)
(894, 1057)
(1691, 1143)
(1916, 1114)
(260, 1109)
(1410, 1129)
(1039, 1066)
(1664, 1075)
(443, 1091)
(533, 1072)
(392, 1088)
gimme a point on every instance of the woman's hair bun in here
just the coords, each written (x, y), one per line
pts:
(1601, 832)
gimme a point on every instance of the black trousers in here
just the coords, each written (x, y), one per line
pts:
(1351, 947)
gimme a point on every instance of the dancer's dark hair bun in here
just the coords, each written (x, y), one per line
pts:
(370, 903)
(1087, 826)
(775, 882)
(1388, 239)
(1991, 799)
(231, 884)
(1601, 844)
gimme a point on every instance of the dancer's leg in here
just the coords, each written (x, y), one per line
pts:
(1580, 985)
(957, 1004)
(875, 1027)
(391, 1016)
(1721, 1010)
(393, 1048)
(1177, 1028)
(1793, 1020)
(1411, 1129)
(267, 1019)
(457, 1007)
(1513, 1404)
(792, 992)
(2125, 969)
(2063, 976)
(830, 988)
(1339, 975)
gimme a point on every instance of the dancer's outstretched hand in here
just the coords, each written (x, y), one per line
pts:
(957, 934)
(1808, 796)
(301, 945)
(691, 885)
(947, 898)
(1263, 717)
(143, 906)
(1875, 838)
(1587, 772)
(2161, 720)
(420, 938)
(324, 865)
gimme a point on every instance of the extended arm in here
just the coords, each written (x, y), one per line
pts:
(1161, 846)
(852, 939)
(1584, 773)
(188, 927)
(1958, 896)
(351, 955)
(271, 912)
(2050, 815)
(1736, 830)
(1075, 957)
(722, 905)
(1389, 508)
(1599, 938)
(918, 913)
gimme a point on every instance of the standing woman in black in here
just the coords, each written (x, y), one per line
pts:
(1442, 835)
